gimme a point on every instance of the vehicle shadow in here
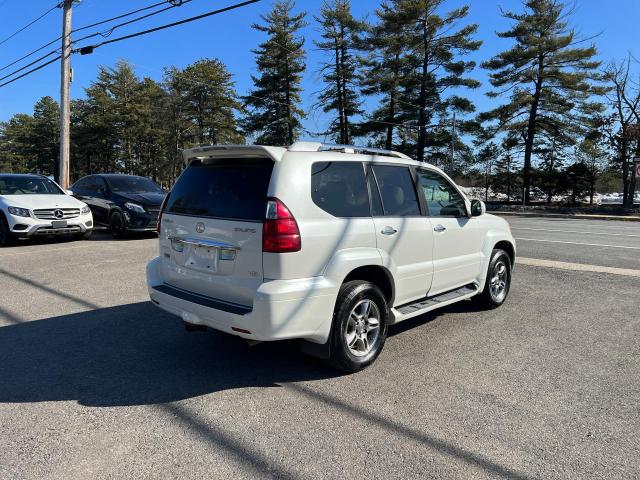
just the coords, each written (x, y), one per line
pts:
(136, 355)
(103, 234)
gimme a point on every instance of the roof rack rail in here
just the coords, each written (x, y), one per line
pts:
(328, 147)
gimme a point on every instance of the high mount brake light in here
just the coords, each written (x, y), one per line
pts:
(280, 232)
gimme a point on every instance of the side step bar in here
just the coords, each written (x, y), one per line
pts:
(427, 302)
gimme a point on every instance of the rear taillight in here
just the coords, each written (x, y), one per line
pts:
(164, 204)
(280, 232)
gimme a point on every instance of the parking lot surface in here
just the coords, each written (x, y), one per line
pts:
(95, 382)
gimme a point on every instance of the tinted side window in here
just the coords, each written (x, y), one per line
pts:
(233, 189)
(397, 191)
(443, 200)
(100, 185)
(340, 188)
(81, 184)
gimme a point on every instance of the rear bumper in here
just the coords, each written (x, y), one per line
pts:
(282, 309)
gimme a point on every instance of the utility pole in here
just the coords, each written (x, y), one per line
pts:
(65, 100)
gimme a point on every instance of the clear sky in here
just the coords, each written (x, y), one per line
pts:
(230, 38)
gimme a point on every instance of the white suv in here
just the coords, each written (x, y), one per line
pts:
(33, 205)
(328, 244)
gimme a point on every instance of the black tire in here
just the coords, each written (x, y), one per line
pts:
(358, 294)
(117, 225)
(86, 235)
(499, 271)
(7, 239)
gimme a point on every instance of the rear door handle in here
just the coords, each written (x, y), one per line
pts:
(389, 231)
(439, 228)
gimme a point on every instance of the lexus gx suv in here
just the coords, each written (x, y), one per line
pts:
(327, 244)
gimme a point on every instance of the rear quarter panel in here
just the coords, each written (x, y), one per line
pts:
(323, 235)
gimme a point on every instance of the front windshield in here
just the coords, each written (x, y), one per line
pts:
(18, 185)
(126, 184)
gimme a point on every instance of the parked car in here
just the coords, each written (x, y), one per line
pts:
(330, 245)
(35, 206)
(124, 203)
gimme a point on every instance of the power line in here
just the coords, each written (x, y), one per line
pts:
(31, 71)
(29, 65)
(30, 53)
(57, 5)
(128, 22)
(90, 48)
(85, 27)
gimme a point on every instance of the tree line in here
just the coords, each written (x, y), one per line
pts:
(564, 122)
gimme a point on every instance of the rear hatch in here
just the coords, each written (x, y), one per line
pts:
(211, 236)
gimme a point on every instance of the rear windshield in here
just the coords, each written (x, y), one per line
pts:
(233, 189)
(130, 184)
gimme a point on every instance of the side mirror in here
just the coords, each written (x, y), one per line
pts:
(70, 192)
(478, 208)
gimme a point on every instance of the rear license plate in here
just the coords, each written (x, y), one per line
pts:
(59, 223)
(203, 258)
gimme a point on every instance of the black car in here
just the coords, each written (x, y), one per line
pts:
(124, 203)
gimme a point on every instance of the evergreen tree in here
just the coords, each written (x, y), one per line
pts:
(179, 126)
(46, 136)
(384, 66)
(340, 34)
(274, 112)
(16, 146)
(546, 77)
(150, 129)
(437, 46)
(210, 100)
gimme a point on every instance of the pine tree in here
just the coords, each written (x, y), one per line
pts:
(46, 136)
(340, 34)
(437, 46)
(16, 146)
(274, 103)
(210, 100)
(384, 65)
(547, 79)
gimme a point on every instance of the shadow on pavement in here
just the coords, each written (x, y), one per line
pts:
(135, 355)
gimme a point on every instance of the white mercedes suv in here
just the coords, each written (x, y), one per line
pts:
(328, 244)
(33, 205)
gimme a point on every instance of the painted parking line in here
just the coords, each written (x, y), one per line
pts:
(576, 231)
(577, 267)
(577, 243)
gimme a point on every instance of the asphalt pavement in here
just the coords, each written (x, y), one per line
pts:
(608, 243)
(95, 382)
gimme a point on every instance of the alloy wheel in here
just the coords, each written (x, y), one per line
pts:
(363, 328)
(499, 279)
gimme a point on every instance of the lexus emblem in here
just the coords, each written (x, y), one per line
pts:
(200, 227)
(58, 213)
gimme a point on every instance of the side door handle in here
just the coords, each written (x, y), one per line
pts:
(389, 231)
(439, 228)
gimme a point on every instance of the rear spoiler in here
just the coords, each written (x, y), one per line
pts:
(231, 151)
